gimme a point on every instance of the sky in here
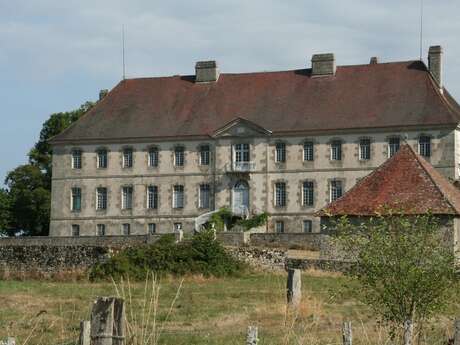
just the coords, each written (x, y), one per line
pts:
(55, 55)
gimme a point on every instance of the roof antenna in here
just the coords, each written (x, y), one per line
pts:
(421, 29)
(123, 50)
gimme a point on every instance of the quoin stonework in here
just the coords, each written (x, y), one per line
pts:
(155, 153)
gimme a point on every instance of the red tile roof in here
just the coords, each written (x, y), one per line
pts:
(364, 96)
(406, 182)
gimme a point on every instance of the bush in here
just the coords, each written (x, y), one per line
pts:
(201, 255)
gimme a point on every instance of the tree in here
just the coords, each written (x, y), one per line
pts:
(5, 211)
(403, 265)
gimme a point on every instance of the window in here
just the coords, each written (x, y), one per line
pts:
(280, 194)
(393, 146)
(424, 146)
(100, 229)
(127, 198)
(126, 228)
(152, 197)
(280, 156)
(364, 149)
(241, 153)
(307, 226)
(335, 190)
(75, 230)
(76, 199)
(336, 150)
(177, 226)
(127, 158)
(307, 193)
(101, 198)
(152, 228)
(102, 159)
(153, 158)
(178, 196)
(308, 151)
(205, 191)
(204, 155)
(279, 226)
(179, 158)
(76, 159)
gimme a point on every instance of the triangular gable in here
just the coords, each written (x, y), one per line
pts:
(405, 183)
(240, 127)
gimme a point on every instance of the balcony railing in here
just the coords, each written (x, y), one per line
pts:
(241, 167)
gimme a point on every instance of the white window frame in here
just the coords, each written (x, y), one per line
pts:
(394, 144)
(279, 226)
(152, 228)
(308, 193)
(153, 157)
(280, 152)
(178, 197)
(424, 146)
(205, 154)
(75, 193)
(127, 196)
(336, 150)
(364, 149)
(152, 197)
(307, 229)
(308, 151)
(101, 198)
(204, 196)
(241, 153)
(179, 156)
(102, 159)
(335, 190)
(126, 229)
(76, 159)
(128, 158)
(100, 230)
(280, 194)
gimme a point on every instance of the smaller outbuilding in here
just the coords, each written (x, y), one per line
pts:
(406, 184)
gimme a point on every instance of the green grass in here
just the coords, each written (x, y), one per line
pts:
(208, 311)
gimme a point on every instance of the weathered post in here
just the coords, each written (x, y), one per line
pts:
(85, 333)
(107, 321)
(408, 331)
(294, 285)
(252, 336)
(347, 335)
(457, 332)
(179, 234)
(8, 341)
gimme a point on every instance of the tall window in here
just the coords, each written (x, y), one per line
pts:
(76, 159)
(424, 146)
(279, 226)
(153, 157)
(336, 150)
(280, 194)
(179, 158)
(178, 196)
(205, 191)
(76, 199)
(127, 198)
(307, 193)
(280, 156)
(335, 190)
(152, 197)
(101, 198)
(75, 230)
(307, 226)
(126, 228)
(364, 149)
(393, 146)
(102, 159)
(204, 155)
(100, 229)
(242, 153)
(152, 228)
(127, 158)
(308, 151)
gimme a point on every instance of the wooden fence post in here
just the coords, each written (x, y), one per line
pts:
(252, 337)
(107, 321)
(457, 332)
(408, 331)
(347, 336)
(85, 333)
(294, 285)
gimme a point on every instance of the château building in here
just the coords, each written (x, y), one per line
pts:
(155, 153)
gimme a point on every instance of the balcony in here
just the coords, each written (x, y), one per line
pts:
(240, 167)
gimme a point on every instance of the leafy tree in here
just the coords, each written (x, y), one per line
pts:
(403, 264)
(5, 211)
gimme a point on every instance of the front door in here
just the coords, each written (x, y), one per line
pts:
(240, 198)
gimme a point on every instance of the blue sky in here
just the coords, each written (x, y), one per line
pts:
(55, 55)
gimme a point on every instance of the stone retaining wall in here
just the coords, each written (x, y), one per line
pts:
(88, 241)
(307, 241)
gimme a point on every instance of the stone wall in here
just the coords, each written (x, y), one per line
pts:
(307, 241)
(88, 241)
(264, 258)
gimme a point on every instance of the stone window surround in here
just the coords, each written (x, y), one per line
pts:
(286, 184)
(101, 210)
(198, 194)
(280, 163)
(330, 142)
(97, 151)
(71, 199)
(72, 151)
(302, 150)
(174, 148)
(301, 196)
(199, 149)
(387, 146)
(146, 206)
(430, 136)
(122, 206)
(122, 157)
(329, 180)
(184, 198)
(149, 149)
(370, 148)
(277, 221)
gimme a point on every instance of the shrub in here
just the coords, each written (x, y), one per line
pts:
(201, 255)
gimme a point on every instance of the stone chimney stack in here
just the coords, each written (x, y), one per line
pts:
(103, 93)
(435, 64)
(206, 71)
(323, 65)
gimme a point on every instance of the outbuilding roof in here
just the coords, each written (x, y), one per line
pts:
(382, 95)
(405, 183)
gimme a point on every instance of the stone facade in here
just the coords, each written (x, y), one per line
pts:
(260, 176)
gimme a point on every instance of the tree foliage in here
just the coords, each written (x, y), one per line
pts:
(5, 207)
(404, 265)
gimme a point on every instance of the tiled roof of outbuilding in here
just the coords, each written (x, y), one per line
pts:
(399, 94)
(406, 182)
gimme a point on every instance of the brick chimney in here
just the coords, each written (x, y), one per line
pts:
(323, 65)
(435, 64)
(206, 71)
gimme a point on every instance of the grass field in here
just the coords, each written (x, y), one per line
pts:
(207, 311)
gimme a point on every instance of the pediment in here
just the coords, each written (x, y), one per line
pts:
(240, 127)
